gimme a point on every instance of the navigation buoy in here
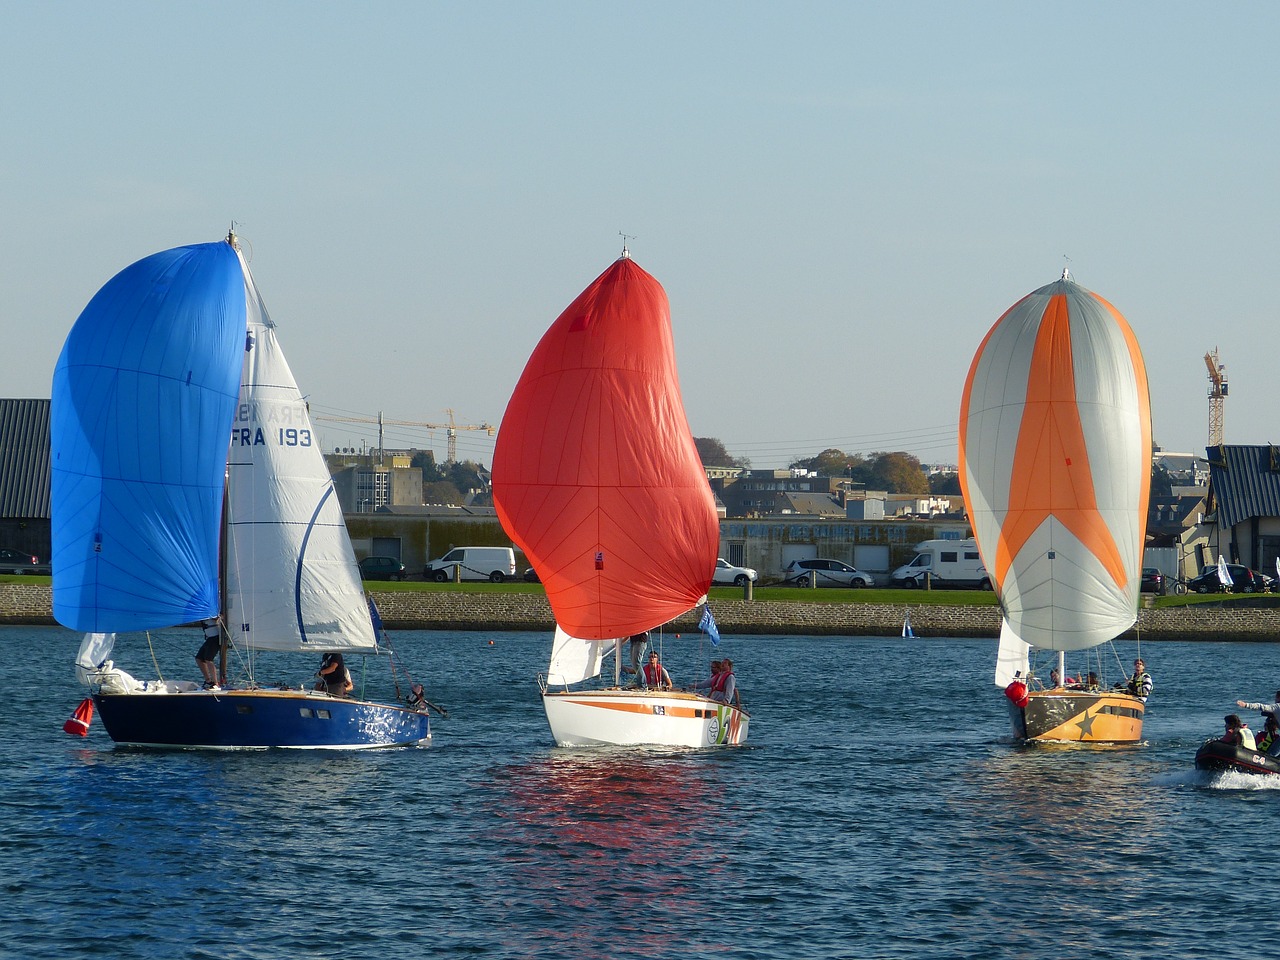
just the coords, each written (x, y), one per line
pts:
(78, 724)
(1016, 691)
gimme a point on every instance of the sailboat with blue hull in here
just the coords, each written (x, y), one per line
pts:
(159, 521)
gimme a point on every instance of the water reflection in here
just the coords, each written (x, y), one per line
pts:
(628, 834)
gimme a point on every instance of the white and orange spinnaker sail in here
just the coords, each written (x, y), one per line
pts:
(1055, 465)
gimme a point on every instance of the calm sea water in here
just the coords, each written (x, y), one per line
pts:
(879, 811)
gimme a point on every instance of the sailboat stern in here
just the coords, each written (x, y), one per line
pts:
(642, 717)
(1078, 717)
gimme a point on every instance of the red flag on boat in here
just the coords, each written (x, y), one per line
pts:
(78, 724)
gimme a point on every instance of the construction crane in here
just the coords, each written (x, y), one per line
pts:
(1217, 393)
(451, 427)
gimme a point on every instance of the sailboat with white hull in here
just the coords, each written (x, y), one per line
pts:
(596, 477)
(1055, 467)
(159, 522)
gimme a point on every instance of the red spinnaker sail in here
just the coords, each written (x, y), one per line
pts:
(595, 473)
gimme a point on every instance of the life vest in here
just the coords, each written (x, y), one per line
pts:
(1242, 736)
(720, 682)
(1140, 685)
(653, 674)
(1265, 740)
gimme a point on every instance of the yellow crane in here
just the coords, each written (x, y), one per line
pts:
(451, 427)
(1217, 393)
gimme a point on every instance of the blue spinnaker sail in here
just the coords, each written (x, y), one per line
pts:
(143, 398)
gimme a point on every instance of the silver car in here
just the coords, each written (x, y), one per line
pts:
(826, 573)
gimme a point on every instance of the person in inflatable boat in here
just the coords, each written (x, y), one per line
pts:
(1238, 733)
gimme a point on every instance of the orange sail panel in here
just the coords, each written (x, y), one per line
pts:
(1055, 465)
(595, 473)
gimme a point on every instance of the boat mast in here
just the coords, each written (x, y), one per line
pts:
(224, 635)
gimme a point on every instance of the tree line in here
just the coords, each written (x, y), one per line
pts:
(892, 471)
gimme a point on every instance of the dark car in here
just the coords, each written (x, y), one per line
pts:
(381, 568)
(531, 575)
(1243, 580)
(19, 561)
(1152, 581)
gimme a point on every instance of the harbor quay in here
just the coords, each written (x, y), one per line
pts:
(32, 604)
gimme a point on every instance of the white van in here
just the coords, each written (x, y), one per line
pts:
(949, 563)
(475, 563)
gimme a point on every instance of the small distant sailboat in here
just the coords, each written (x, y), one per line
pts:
(596, 477)
(1055, 463)
(188, 485)
(906, 626)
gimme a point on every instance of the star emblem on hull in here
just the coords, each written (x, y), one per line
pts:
(1086, 725)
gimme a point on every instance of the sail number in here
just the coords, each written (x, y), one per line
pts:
(292, 437)
(285, 437)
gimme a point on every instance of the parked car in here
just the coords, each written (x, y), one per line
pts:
(531, 575)
(19, 561)
(381, 568)
(1152, 581)
(1243, 580)
(827, 573)
(726, 573)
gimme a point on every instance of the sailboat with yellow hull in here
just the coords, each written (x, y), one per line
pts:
(1055, 467)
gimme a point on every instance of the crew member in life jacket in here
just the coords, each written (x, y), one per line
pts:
(1238, 733)
(1140, 683)
(1269, 738)
(721, 685)
(655, 674)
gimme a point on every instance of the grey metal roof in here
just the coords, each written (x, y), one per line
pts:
(1245, 481)
(24, 459)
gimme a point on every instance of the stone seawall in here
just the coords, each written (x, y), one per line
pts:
(22, 603)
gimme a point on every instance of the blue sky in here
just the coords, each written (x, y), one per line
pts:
(840, 198)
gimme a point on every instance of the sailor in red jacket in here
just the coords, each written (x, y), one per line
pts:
(655, 674)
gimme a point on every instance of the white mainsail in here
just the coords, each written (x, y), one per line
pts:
(292, 580)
